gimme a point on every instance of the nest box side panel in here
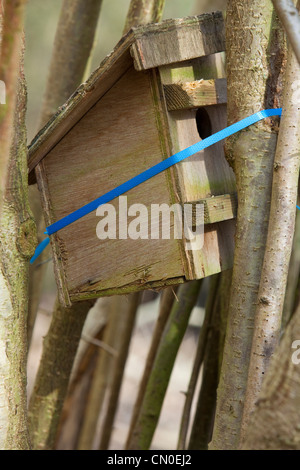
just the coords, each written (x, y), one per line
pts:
(117, 139)
(206, 174)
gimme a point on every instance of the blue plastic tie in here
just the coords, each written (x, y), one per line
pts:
(153, 171)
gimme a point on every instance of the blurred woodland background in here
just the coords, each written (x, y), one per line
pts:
(199, 366)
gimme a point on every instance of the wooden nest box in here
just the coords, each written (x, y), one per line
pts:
(161, 90)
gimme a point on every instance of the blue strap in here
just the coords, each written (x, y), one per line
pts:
(150, 172)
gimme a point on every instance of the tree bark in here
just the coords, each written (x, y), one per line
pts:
(72, 48)
(18, 239)
(51, 384)
(166, 302)
(254, 61)
(143, 12)
(202, 427)
(290, 19)
(268, 315)
(199, 358)
(274, 425)
(117, 376)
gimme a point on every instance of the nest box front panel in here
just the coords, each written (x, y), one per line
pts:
(117, 139)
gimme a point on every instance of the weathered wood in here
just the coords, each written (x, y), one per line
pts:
(189, 95)
(218, 208)
(184, 39)
(206, 173)
(176, 40)
(116, 126)
(120, 129)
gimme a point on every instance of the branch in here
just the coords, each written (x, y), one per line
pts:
(11, 40)
(281, 230)
(290, 19)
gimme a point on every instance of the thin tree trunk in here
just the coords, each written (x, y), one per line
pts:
(125, 339)
(166, 302)
(290, 19)
(78, 393)
(143, 12)
(163, 366)
(51, 384)
(18, 239)
(11, 27)
(72, 48)
(254, 61)
(200, 353)
(101, 375)
(281, 229)
(290, 300)
(205, 410)
(274, 425)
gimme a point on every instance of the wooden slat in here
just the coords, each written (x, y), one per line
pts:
(217, 208)
(206, 173)
(153, 45)
(189, 95)
(178, 40)
(117, 139)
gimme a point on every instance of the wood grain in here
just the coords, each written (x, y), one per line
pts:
(190, 95)
(116, 140)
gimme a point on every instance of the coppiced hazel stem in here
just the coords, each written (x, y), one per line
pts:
(118, 372)
(72, 48)
(51, 384)
(293, 276)
(11, 28)
(200, 352)
(163, 366)
(206, 404)
(166, 302)
(143, 12)
(274, 424)
(281, 230)
(290, 19)
(254, 61)
(17, 242)
(101, 376)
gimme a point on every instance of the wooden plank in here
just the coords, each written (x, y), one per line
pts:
(178, 40)
(206, 173)
(189, 95)
(117, 139)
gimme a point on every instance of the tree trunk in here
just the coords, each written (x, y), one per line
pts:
(18, 239)
(291, 21)
(268, 315)
(274, 425)
(72, 48)
(254, 61)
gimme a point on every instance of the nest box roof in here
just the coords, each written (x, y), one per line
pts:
(144, 47)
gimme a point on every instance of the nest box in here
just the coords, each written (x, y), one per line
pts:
(162, 89)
